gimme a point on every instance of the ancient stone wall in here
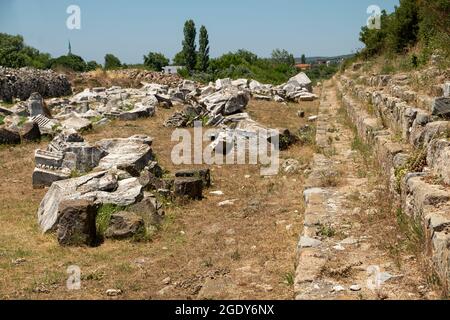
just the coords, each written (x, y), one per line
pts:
(410, 137)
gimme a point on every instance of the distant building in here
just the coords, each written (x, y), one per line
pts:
(303, 66)
(171, 69)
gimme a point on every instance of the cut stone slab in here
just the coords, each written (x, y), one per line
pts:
(131, 155)
(36, 106)
(124, 225)
(441, 106)
(204, 174)
(188, 187)
(30, 132)
(307, 242)
(77, 123)
(43, 178)
(140, 111)
(301, 80)
(76, 226)
(8, 136)
(129, 191)
(59, 191)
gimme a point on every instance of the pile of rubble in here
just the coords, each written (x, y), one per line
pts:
(119, 173)
(127, 78)
(21, 83)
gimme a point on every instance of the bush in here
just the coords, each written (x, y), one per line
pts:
(155, 61)
(70, 62)
(92, 65)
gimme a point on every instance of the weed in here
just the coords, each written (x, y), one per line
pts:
(104, 216)
(327, 231)
(289, 278)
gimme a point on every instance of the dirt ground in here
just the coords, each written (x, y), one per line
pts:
(241, 251)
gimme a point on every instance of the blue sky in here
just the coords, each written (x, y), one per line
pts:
(131, 28)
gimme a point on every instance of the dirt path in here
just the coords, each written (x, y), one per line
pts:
(350, 247)
(203, 251)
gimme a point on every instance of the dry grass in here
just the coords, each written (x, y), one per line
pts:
(247, 244)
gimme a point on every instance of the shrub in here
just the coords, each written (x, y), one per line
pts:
(70, 62)
(155, 61)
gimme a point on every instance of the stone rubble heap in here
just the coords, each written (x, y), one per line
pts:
(116, 172)
(21, 83)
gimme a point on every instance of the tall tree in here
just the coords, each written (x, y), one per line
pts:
(303, 59)
(189, 47)
(203, 50)
(112, 62)
(283, 56)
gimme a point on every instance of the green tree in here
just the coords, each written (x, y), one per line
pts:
(15, 54)
(112, 62)
(403, 28)
(283, 56)
(203, 50)
(179, 59)
(189, 47)
(303, 59)
(156, 61)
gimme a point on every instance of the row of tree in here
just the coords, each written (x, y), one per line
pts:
(413, 22)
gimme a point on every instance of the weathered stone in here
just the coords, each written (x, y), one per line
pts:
(36, 106)
(132, 154)
(301, 80)
(77, 123)
(223, 84)
(76, 224)
(124, 225)
(307, 242)
(441, 107)
(30, 132)
(140, 111)
(188, 187)
(204, 174)
(44, 178)
(59, 191)
(150, 209)
(8, 136)
(438, 159)
(128, 192)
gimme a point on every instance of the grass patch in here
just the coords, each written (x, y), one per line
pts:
(104, 216)
(289, 278)
(2, 120)
(327, 231)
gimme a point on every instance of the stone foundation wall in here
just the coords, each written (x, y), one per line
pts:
(402, 124)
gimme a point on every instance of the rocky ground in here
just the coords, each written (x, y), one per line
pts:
(236, 243)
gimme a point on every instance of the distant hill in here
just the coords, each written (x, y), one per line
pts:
(315, 59)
